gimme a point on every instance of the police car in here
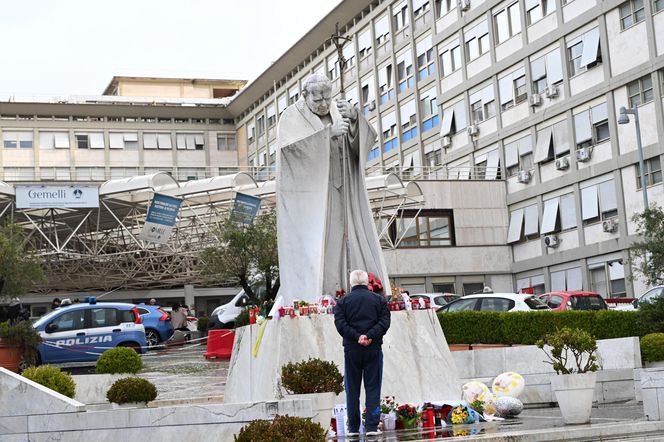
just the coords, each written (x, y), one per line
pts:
(82, 332)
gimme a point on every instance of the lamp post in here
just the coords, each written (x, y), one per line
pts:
(624, 119)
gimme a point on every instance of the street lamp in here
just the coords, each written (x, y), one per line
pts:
(624, 119)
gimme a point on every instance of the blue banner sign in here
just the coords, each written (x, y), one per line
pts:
(245, 208)
(161, 218)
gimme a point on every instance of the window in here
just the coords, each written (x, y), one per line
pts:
(450, 58)
(454, 119)
(349, 55)
(538, 9)
(429, 110)
(105, 317)
(584, 52)
(477, 41)
(190, 173)
(55, 173)
(389, 125)
(512, 88)
(14, 139)
(524, 225)
(226, 142)
(429, 228)
(559, 214)
(569, 279)
(496, 304)
(519, 155)
(19, 173)
(364, 43)
(658, 5)
(608, 278)
(89, 140)
(653, 172)
(507, 22)
(57, 140)
(382, 30)
(251, 132)
(432, 158)
(282, 103)
(487, 166)
(444, 6)
(552, 142)
(640, 91)
(351, 95)
(74, 320)
(463, 305)
(425, 58)
(408, 115)
(400, 15)
(405, 70)
(190, 141)
(368, 95)
(260, 125)
(591, 126)
(157, 141)
(385, 83)
(90, 174)
(536, 282)
(373, 153)
(482, 105)
(293, 95)
(546, 70)
(598, 202)
(420, 7)
(271, 116)
(472, 288)
(631, 13)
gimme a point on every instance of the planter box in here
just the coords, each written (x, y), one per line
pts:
(652, 391)
(10, 357)
(322, 405)
(92, 388)
(574, 393)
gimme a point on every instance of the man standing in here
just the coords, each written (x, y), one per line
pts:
(362, 318)
(321, 193)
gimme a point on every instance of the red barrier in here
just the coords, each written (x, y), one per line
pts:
(220, 344)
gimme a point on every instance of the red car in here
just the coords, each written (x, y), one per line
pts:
(573, 300)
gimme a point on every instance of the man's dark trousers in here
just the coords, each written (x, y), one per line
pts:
(367, 363)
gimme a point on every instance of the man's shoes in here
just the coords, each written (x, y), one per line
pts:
(374, 433)
(352, 435)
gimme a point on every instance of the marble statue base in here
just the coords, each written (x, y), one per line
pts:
(417, 367)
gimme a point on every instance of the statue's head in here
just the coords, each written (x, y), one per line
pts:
(317, 93)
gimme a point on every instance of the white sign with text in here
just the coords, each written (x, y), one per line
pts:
(56, 197)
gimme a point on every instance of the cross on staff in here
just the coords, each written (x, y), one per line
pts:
(339, 41)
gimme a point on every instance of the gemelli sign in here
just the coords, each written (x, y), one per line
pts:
(56, 197)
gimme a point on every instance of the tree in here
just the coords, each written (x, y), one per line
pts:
(20, 268)
(246, 253)
(647, 255)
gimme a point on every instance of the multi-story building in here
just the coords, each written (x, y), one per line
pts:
(506, 114)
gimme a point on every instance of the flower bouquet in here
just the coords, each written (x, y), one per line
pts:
(407, 416)
(388, 415)
(461, 414)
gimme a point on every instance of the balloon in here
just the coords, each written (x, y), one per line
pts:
(508, 384)
(474, 390)
(508, 406)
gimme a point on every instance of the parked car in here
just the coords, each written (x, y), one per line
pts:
(436, 300)
(573, 300)
(157, 324)
(82, 332)
(223, 317)
(496, 302)
(648, 296)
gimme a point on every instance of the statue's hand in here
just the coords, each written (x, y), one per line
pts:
(340, 128)
(347, 110)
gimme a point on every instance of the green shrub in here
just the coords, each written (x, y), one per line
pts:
(476, 327)
(652, 347)
(131, 390)
(119, 360)
(202, 324)
(651, 316)
(242, 319)
(52, 377)
(311, 376)
(282, 429)
(570, 346)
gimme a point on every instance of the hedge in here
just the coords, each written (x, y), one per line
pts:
(475, 327)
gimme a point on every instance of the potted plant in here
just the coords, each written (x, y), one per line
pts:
(282, 428)
(317, 380)
(407, 416)
(388, 414)
(652, 350)
(132, 392)
(18, 343)
(573, 354)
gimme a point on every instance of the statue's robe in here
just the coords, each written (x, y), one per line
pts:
(310, 206)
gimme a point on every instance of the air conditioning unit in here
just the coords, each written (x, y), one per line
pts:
(473, 130)
(551, 241)
(562, 163)
(610, 225)
(372, 105)
(551, 92)
(464, 5)
(535, 100)
(447, 141)
(523, 176)
(584, 154)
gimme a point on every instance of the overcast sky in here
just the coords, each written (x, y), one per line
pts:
(74, 47)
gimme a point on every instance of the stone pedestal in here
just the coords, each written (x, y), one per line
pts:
(652, 391)
(418, 366)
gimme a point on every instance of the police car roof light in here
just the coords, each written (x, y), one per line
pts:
(90, 299)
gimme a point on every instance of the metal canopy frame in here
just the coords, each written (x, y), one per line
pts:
(99, 248)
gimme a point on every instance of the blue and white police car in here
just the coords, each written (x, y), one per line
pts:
(82, 332)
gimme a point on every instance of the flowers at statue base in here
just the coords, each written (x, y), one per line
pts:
(375, 285)
(407, 412)
(339, 294)
(460, 415)
(388, 405)
(397, 293)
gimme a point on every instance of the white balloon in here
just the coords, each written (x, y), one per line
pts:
(508, 384)
(474, 390)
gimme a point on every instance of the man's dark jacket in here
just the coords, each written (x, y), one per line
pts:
(362, 312)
